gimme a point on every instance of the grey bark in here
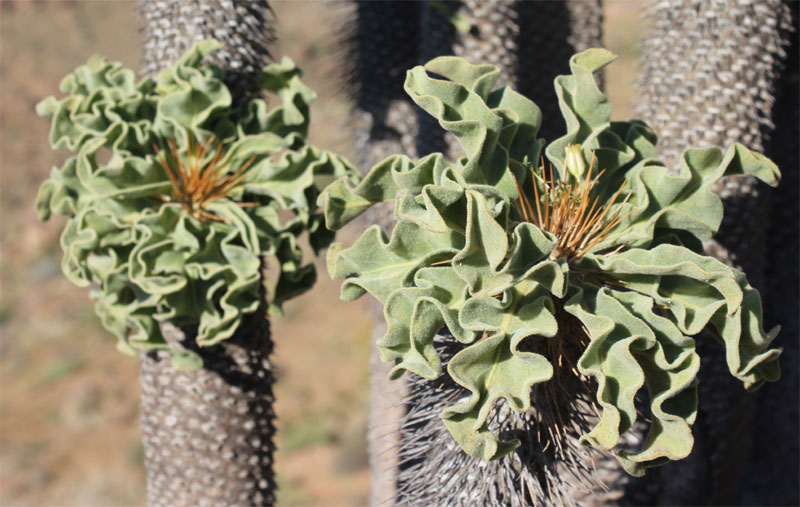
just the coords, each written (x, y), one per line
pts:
(244, 27)
(381, 45)
(710, 74)
(208, 434)
(385, 415)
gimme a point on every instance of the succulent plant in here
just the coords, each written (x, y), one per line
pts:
(173, 226)
(582, 276)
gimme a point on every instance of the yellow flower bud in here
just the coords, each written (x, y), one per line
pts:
(576, 165)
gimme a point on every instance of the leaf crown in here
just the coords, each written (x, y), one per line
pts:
(471, 253)
(174, 226)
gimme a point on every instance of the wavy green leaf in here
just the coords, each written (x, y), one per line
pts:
(433, 302)
(378, 266)
(493, 367)
(696, 291)
(632, 346)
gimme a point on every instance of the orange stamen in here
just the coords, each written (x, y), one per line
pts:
(571, 213)
(195, 184)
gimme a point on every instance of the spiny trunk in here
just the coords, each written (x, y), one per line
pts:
(709, 77)
(244, 27)
(208, 434)
(385, 416)
(381, 42)
(435, 471)
(381, 48)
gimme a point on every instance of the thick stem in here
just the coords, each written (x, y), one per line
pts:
(245, 28)
(208, 434)
(385, 415)
(776, 444)
(549, 467)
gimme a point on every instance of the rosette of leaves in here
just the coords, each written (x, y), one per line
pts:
(582, 273)
(174, 197)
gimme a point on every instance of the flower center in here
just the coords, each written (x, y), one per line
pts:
(570, 211)
(195, 184)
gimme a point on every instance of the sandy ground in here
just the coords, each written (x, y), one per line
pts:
(68, 400)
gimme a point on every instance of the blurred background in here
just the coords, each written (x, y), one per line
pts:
(69, 402)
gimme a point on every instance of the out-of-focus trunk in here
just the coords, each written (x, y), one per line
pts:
(208, 434)
(710, 74)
